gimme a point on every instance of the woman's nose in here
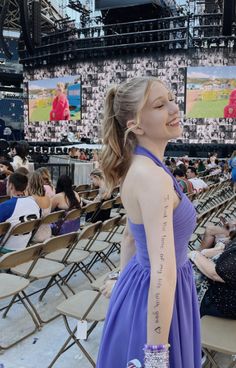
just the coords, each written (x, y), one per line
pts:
(174, 108)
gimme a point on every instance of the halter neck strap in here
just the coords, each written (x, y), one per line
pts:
(139, 150)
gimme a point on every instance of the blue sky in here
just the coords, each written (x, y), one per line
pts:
(51, 83)
(212, 72)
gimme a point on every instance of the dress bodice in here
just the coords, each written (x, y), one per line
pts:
(184, 221)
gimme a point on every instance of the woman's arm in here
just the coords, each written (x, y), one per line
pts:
(54, 202)
(156, 197)
(17, 162)
(212, 252)
(127, 247)
(205, 265)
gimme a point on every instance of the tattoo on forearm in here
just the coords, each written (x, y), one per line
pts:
(163, 245)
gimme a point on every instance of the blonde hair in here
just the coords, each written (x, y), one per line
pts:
(124, 102)
(98, 173)
(35, 184)
(61, 86)
(45, 174)
(233, 154)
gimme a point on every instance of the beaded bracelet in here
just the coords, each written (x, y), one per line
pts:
(156, 356)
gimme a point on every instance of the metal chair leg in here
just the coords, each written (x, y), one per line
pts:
(72, 336)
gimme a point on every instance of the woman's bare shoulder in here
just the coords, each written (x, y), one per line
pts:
(144, 168)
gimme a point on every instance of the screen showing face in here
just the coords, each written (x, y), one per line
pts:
(55, 99)
(11, 117)
(211, 92)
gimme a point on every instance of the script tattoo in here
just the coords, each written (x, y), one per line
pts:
(163, 245)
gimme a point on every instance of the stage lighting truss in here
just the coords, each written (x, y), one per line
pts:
(114, 39)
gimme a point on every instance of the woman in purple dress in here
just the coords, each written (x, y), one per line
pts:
(153, 315)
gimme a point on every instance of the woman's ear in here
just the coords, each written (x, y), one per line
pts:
(133, 127)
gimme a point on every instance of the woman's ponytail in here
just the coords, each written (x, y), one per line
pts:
(122, 103)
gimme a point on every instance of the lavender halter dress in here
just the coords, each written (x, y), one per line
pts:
(125, 330)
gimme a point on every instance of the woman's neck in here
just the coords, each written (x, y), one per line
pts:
(157, 150)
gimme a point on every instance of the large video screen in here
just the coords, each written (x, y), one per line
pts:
(11, 117)
(211, 92)
(55, 99)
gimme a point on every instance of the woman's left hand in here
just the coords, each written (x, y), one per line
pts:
(135, 363)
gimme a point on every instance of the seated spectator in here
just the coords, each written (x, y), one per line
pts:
(198, 184)
(19, 153)
(215, 275)
(185, 185)
(6, 169)
(19, 208)
(216, 233)
(201, 167)
(36, 190)
(22, 170)
(232, 165)
(71, 135)
(98, 182)
(48, 186)
(65, 199)
(180, 161)
(95, 159)
(83, 156)
(74, 152)
(183, 168)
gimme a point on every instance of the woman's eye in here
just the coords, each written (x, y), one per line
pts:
(159, 106)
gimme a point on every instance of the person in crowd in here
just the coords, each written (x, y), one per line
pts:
(179, 161)
(60, 105)
(6, 169)
(20, 208)
(47, 181)
(22, 170)
(232, 166)
(168, 163)
(216, 233)
(215, 278)
(74, 152)
(71, 135)
(185, 185)
(65, 198)
(19, 153)
(154, 301)
(36, 190)
(225, 171)
(198, 184)
(95, 159)
(183, 168)
(98, 182)
(173, 164)
(201, 167)
(83, 156)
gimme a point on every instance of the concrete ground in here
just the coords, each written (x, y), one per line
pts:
(38, 350)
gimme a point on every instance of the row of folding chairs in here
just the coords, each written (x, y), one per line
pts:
(206, 192)
(66, 253)
(212, 196)
(31, 226)
(61, 221)
(211, 216)
(92, 311)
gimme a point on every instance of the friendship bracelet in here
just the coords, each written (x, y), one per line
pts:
(158, 348)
